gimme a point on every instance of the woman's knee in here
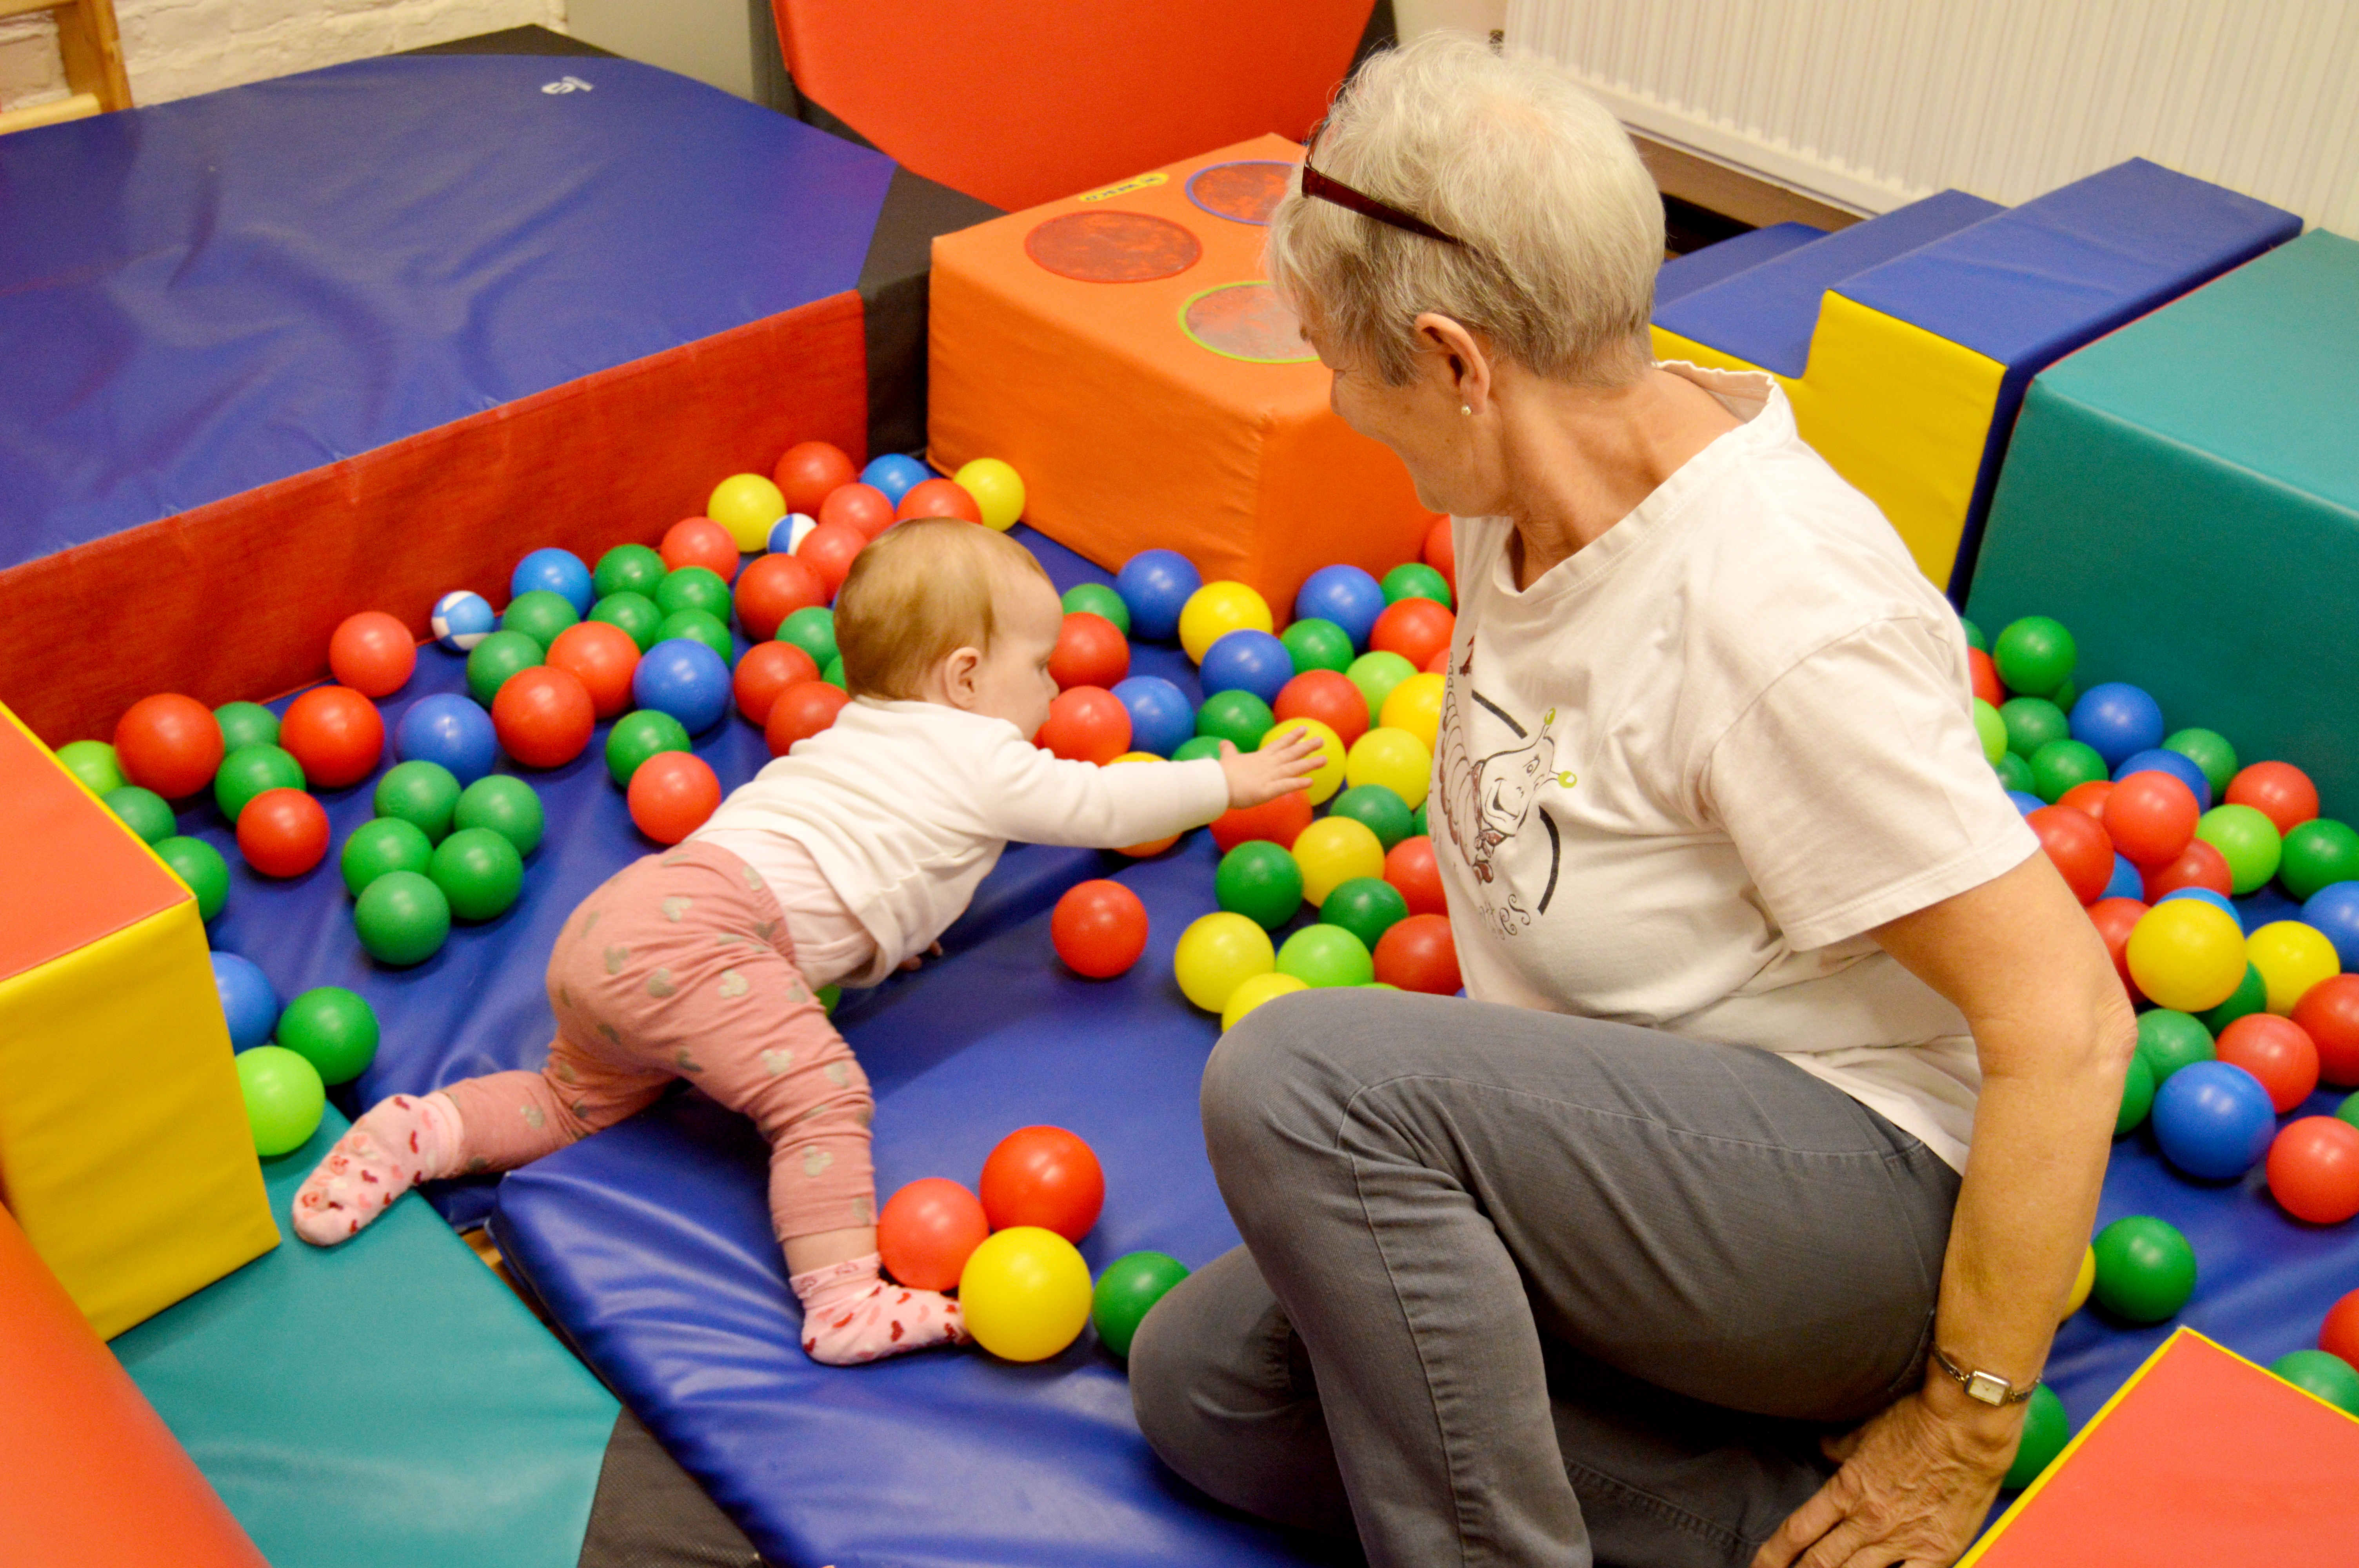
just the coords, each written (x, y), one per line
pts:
(1277, 1070)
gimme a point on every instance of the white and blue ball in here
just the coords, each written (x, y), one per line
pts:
(462, 619)
(788, 533)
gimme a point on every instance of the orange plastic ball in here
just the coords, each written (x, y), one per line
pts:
(1044, 1176)
(543, 716)
(810, 470)
(767, 669)
(672, 793)
(335, 733)
(1410, 867)
(773, 588)
(858, 506)
(1087, 724)
(282, 833)
(373, 653)
(1099, 929)
(928, 1231)
(1091, 651)
(602, 658)
(829, 550)
(801, 712)
(1441, 552)
(1281, 821)
(1419, 955)
(1328, 695)
(170, 743)
(2278, 791)
(938, 498)
(700, 542)
(1416, 629)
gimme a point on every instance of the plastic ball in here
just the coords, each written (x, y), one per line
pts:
(1410, 866)
(1419, 954)
(1416, 629)
(497, 659)
(1250, 661)
(2046, 1430)
(2292, 957)
(1325, 696)
(2198, 866)
(503, 804)
(201, 869)
(2031, 722)
(747, 505)
(2213, 1121)
(1196, 748)
(1279, 821)
(2060, 766)
(1090, 650)
(2247, 841)
(2251, 996)
(1394, 759)
(694, 587)
(2321, 1375)
(2316, 854)
(699, 626)
(2083, 1282)
(2277, 1051)
(1254, 991)
(2339, 1333)
(334, 1030)
(767, 669)
(1098, 599)
(1990, 732)
(2211, 752)
(247, 771)
(2333, 911)
(937, 497)
(2115, 919)
(540, 615)
(1312, 643)
(2137, 1097)
(1160, 717)
(543, 716)
(830, 551)
(169, 743)
(1217, 953)
(2126, 881)
(2187, 956)
(627, 568)
(2119, 720)
(833, 675)
(1214, 611)
(773, 588)
(637, 736)
(423, 794)
(95, 762)
(686, 679)
(812, 630)
(998, 488)
(788, 533)
(1415, 706)
(2151, 817)
(1983, 676)
(249, 1002)
(1126, 1290)
(809, 471)
(479, 872)
(2219, 900)
(2077, 847)
(461, 619)
(1367, 907)
(602, 658)
(1322, 956)
(892, 476)
(2172, 763)
(1260, 880)
(335, 733)
(284, 1098)
(1099, 928)
(2328, 1013)
(373, 653)
(381, 846)
(861, 508)
(1156, 585)
(1439, 552)
(283, 833)
(2089, 797)
(2278, 791)
(928, 1231)
(1385, 813)
(2170, 1041)
(402, 919)
(143, 811)
(552, 570)
(2035, 655)
(700, 542)
(2313, 1170)
(1025, 1293)
(1043, 1176)
(1330, 776)
(632, 613)
(2015, 777)
(1344, 595)
(1331, 851)
(1086, 724)
(671, 795)
(1376, 674)
(2145, 1269)
(801, 712)
(1415, 579)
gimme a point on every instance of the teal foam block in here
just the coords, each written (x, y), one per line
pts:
(387, 1402)
(2184, 495)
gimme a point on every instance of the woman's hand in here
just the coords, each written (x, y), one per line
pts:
(1257, 778)
(1916, 1484)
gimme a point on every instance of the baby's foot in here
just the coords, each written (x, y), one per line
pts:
(851, 1315)
(400, 1142)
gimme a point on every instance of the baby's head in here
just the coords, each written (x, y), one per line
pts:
(945, 611)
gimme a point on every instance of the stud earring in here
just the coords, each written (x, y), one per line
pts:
(1466, 408)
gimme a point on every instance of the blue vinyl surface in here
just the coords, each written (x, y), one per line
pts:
(1683, 276)
(206, 296)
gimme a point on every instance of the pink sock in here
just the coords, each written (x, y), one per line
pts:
(398, 1143)
(850, 1314)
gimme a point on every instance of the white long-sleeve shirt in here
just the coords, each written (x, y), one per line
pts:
(906, 805)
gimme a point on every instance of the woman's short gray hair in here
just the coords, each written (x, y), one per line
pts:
(1562, 225)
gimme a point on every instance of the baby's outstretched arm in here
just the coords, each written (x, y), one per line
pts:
(1257, 778)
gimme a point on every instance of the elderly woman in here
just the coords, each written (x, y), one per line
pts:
(1730, 1221)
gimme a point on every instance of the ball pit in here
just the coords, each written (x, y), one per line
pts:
(1128, 1287)
(143, 811)
(1044, 1178)
(1327, 697)
(540, 615)
(685, 679)
(892, 476)
(1331, 851)
(1367, 907)
(1344, 596)
(2313, 1170)
(2187, 956)
(697, 626)
(1379, 807)
(767, 669)
(1331, 775)
(402, 919)
(1260, 880)
(798, 713)
(1410, 866)
(1279, 821)
(247, 771)
(830, 549)
(1216, 953)
(1097, 599)
(479, 872)
(1322, 956)
(543, 716)
(997, 489)
(373, 653)
(1419, 954)
(636, 736)
(1247, 660)
(772, 588)
(602, 658)
(1393, 760)
(333, 1029)
(862, 508)
(282, 833)
(503, 804)
(2145, 1269)
(694, 587)
(1252, 991)
(284, 1098)
(1312, 643)
(381, 846)
(2213, 1121)
(200, 870)
(1086, 724)
(249, 1003)
(1025, 1293)
(1237, 717)
(937, 497)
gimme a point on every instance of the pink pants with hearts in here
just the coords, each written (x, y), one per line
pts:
(680, 967)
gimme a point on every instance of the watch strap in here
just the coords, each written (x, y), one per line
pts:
(1988, 1388)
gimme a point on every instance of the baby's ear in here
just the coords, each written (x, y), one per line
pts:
(959, 668)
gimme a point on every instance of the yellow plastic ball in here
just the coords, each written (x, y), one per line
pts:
(1330, 776)
(1415, 706)
(1334, 849)
(1221, 952)
(1024, 1292)
(1393, 757)
(2082, 1283)
(1155, 847)
(2187, 955)
(1214, 611)
(747, 505)
(998, 488)
(2292, 957)
(1256, 991)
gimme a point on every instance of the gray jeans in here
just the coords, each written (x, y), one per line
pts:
(1519, 1288)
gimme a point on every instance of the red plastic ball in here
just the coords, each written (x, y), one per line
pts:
(808, 471)
(1091, 651)
(170, 743)
(1440, 553)
(2279, 1052)
(373, 653)
(2078, 847)
(938, 498)
(1985, 673)
(1329, 696)
(801, 712)
(672, 793)
(1419, 955)
(2314, 1169)
(926, 1231)
(2328, 1013)
(767, 669)
(2278, 791)
(829, 551)
(700, 542)
(1099, 929)
(2115, 918)
(2339, 1334)
(1044, 1176)
(544, 715)
(1087, 724)
(336, 733)
(2198, 866)
(1440, 663)
(1281, 821)
(1416, 629)
(2151, 817)
(282, 833)
(602, 658)
(1410, 867)
(773, 588)
(862, 507)
(2089, 799)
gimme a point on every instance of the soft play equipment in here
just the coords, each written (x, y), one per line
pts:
(1906, 341)
(2183, 496)
(124, 1148)
(1121, 349)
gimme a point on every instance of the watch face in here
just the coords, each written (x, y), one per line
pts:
(1989, 1390)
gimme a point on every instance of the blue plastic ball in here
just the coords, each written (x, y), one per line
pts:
(448, 728)
(2025, 802)
(683, 677)
(2117, 720)
(1246, 659)
(1161, 718)
(556, 571)
(1155, 585)
(2155, 760)
(2216, 899)
(1346, 595)
(895, 475)
(2213, 1121)
(788, 532)
(2127, 882)
(248, 1000)
(2333, 912)
(462, 619)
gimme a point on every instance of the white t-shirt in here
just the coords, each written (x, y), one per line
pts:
(1683, 774)
(905, 805)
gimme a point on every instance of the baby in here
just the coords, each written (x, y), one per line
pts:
(837, 863)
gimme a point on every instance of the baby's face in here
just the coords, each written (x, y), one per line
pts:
(1012, 681)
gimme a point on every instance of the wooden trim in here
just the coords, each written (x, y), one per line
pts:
(1734, 192)
(81, 105)
(93, 52)
(25, 8)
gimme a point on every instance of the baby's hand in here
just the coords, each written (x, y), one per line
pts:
(1257, 778)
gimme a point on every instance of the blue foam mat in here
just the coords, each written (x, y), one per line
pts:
(1683, 276)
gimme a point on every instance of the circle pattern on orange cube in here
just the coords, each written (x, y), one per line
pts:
(1113, 247)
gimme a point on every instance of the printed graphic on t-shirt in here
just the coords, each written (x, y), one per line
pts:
(1492, 769)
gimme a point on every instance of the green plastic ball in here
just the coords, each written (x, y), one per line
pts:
(246, 724)
(693, 587)
(700, 627)
(2168, 1041)
(1237, 717)
(2146, 1270)
(2251, 996)
(2316, 853)
(2031, 722)
(828, 997)
(2322, 1373)
(1093, 599)
(334, 1030)
(247, 771)
(1316, 644)
(478, 871)
(1367, 907)
(402, 919)
(2035, 655)
(638, 736)
(1325, 954)
(812, 629)
(420, 793)
(1196, 747)
(2209, 751)
(833, 673)
(1415, 579)
(2060, 765)
(1131, 1285)
(507, 805)
(1384, 813)
(1416, 828)
(540, 615)
(627, 568)
(498, 656)
(1974, 638)
(2247, 841)
(93, 763)
(2065, 695)
(1259, 880)
(284, 1098)
(635, 613)
(2137, 1097)
(1376, 674)
(383, 845)
(2349, 1109)
(201, 869)
(1990, 730)
(143, 811)
(2046, 1430)
(2015, 773)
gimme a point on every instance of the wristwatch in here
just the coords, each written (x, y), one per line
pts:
(1987, 1387)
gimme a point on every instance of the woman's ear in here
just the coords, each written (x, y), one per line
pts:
(1467, 358)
